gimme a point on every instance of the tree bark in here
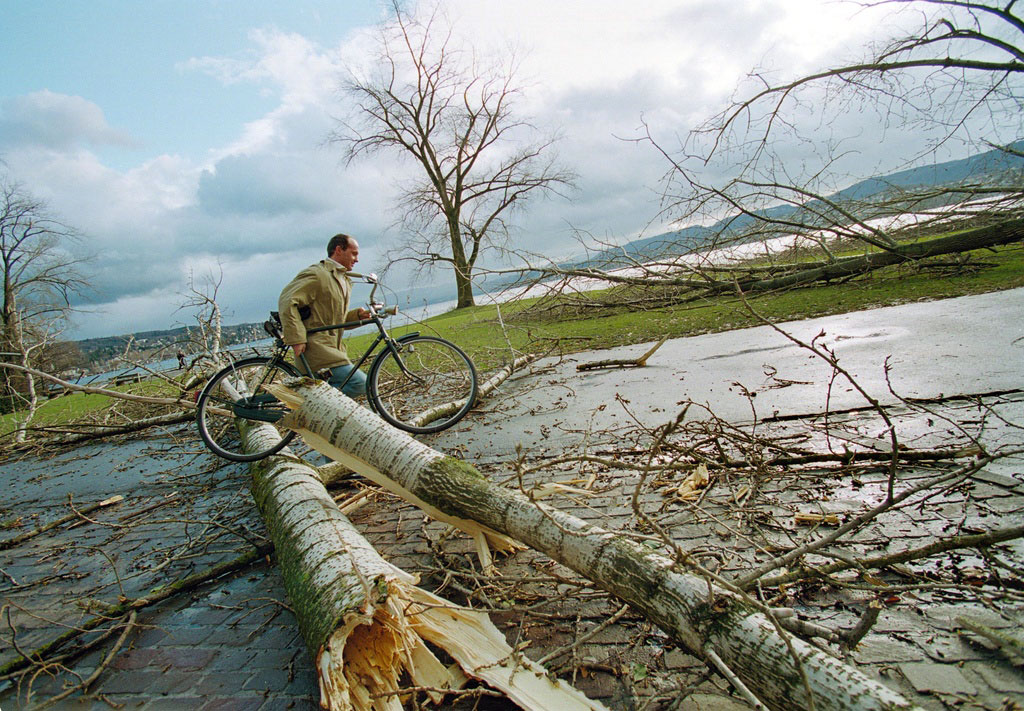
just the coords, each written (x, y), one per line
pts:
(463, 287)
(976, 238)
(364, 620)
(779, 671)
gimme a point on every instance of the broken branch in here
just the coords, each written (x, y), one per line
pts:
(624, 363)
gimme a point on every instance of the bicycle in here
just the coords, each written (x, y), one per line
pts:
(420, 384)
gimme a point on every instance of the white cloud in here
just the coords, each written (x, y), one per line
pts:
(55, 121)
(301, 74)
(262, 204)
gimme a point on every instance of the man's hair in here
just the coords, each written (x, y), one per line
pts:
(338, 240)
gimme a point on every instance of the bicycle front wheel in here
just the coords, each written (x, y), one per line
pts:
(428, 385)
(234, 392)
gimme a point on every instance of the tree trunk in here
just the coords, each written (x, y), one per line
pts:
(364, 620)
(976, 238)
(463, 289)
(708, 621)
(23, 419)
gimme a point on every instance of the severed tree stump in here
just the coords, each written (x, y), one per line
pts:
(365, 621)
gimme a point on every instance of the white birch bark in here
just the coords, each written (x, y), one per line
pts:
(375, 433)
(779, 671)
(364, 620)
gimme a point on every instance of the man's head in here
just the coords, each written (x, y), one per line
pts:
(344, 250)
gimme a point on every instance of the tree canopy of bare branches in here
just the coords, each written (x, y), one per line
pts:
(434, 103)
(964, 61)
(782, 153)
(40, 277)
(204, 338)
(786, 169)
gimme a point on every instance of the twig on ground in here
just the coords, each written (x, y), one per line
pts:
(99, 669)
(8, 543)
(1012, 647)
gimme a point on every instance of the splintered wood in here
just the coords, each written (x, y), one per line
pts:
(364, 620)
(692, 486)
(366, 675)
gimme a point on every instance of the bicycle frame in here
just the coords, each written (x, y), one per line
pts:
(231, 393)
(382, 334)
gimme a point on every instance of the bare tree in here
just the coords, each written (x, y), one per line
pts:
(40, 276)
(205, 336)
(426, 100)
(782, 152)
(781, 172)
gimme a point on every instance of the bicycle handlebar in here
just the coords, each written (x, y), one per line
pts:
(371, 277)
(384, 313)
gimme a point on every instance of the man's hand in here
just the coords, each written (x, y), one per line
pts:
(362, 313)
(298, 349)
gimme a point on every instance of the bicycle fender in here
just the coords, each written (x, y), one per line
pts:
(407, 336)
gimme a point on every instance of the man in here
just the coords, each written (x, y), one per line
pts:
(323, 290)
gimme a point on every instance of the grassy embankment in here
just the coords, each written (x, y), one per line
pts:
(90, 407)
(533, 325)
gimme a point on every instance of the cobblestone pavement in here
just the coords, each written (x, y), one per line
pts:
(228, 644)
(232, 643)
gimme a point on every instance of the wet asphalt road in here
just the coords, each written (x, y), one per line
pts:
(967, 345)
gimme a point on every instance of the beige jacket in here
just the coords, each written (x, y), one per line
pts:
(325, 289)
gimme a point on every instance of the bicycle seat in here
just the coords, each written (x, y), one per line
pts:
(273, 325)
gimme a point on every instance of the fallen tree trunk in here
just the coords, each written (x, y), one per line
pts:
(966, 240)
(334, 472)
(679, 276)
(783, 672)
(365, 621)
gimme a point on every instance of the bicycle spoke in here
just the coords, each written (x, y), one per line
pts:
(431, 387)
(237, 391)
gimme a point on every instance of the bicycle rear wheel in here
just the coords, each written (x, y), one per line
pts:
(431, 385)
(234, 392)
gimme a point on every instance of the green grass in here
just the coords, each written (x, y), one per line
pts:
(78, 406)
(536, 325)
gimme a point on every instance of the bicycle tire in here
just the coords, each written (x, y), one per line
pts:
(437, 373)
(219, 405)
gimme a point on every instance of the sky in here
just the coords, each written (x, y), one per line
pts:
(187, 138)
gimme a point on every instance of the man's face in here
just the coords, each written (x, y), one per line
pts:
(347, 257)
